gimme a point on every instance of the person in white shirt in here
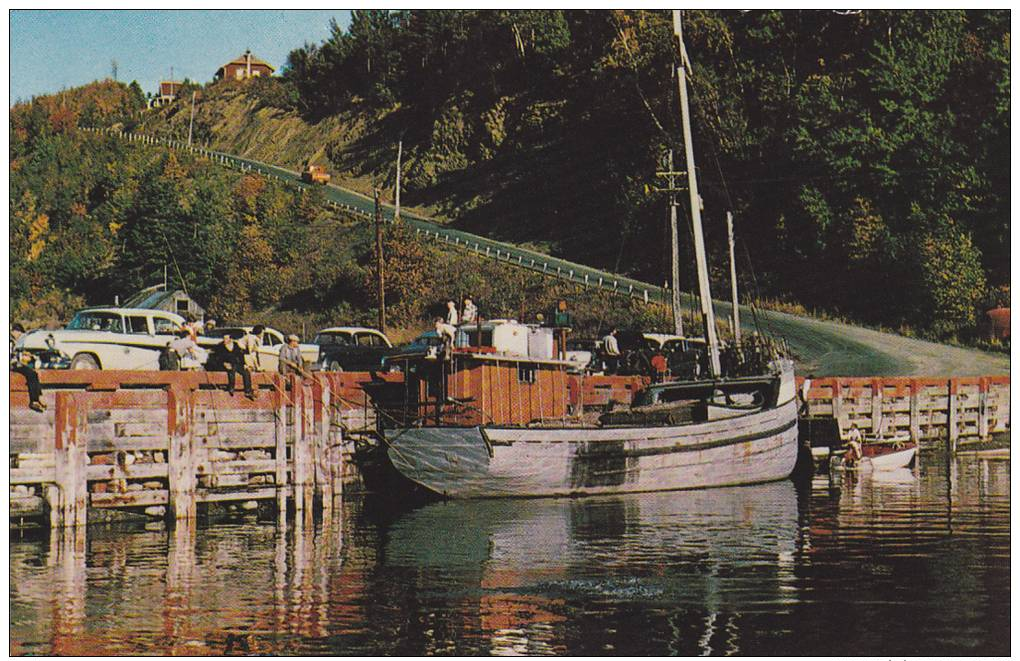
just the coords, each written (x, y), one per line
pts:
(447, 333)
(612, 351)
(470, 312)
(451, 313)
(250, 345)
(855, 448)
(189, 355)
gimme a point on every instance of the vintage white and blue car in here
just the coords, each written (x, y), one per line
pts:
(108, 338)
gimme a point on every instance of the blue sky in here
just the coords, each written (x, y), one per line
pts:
(57, 49)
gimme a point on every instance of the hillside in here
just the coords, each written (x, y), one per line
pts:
(850, 161)
(861, 149)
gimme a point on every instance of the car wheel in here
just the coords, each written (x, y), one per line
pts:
(333, 366)
(84, 361)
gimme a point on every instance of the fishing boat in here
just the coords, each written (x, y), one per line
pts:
(500, 415)
(885, 456)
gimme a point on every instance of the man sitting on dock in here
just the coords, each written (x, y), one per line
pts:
(229, 357)
(20, 364)
(291, 360)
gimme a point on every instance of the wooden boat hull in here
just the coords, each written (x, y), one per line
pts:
(476, 462)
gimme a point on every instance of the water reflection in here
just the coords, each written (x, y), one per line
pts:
(760, 570)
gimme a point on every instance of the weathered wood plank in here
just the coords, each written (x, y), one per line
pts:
(132, 472)
(236, 493)
(130, 499)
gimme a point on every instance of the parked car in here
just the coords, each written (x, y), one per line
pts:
(352, 349)
(106, 338)
(272, 341)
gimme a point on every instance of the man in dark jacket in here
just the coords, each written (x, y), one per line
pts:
(20, 364)
(228, 356)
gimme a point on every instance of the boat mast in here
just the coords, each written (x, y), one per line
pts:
(733, 280)
(708, 315)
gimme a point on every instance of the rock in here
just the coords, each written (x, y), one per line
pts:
(19, 490)
(134, 486)
(152, 485)
(250, 505)
(103, 460)
(158, 457)
(156, 511)
(99, 487)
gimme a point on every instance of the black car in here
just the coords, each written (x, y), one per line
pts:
(352, 349)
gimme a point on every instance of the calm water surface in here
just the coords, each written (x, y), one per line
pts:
(905, 563)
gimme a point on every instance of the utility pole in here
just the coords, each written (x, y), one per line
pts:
(708, 314)
(380, 278)
(396, 213)
(678, 320)
(191, 123)
(733, 280)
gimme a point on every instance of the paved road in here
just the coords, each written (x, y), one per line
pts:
(823, 348)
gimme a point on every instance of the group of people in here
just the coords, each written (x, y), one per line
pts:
(446, 327)
(235, 356)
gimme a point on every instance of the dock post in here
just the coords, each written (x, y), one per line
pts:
(280, 416)
(837, 404)
(915, 412)
(983, 408)
(69, 499)
(181, 456)
(951, 418)
(876, 408)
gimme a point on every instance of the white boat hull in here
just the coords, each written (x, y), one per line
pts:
(885, 462)
(476, 462)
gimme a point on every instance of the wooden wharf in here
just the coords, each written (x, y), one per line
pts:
(934, 412)
(164, 443)
(167, 443)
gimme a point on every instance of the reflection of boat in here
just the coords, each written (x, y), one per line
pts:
(491, 419)
(702, 552)
(553, 539)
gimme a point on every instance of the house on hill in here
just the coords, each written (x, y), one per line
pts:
(168, 90)
(244, 67)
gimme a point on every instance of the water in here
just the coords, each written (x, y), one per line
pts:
(906, 563)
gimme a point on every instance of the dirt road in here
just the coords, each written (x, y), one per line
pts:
(826, 348)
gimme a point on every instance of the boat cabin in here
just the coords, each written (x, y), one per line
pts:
(499, 372)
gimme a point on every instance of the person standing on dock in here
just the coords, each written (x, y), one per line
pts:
(229, 357)
(291, 360)
(612, 351)
(250, 344)
(20, 364)
(451, 313)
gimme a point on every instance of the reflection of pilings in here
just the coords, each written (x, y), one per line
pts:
(67, 557)
(180, 577)
(305, 610)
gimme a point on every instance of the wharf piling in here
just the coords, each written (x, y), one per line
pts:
(165, 444)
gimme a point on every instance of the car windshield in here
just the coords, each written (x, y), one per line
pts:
(99, 321)
(342, 339)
